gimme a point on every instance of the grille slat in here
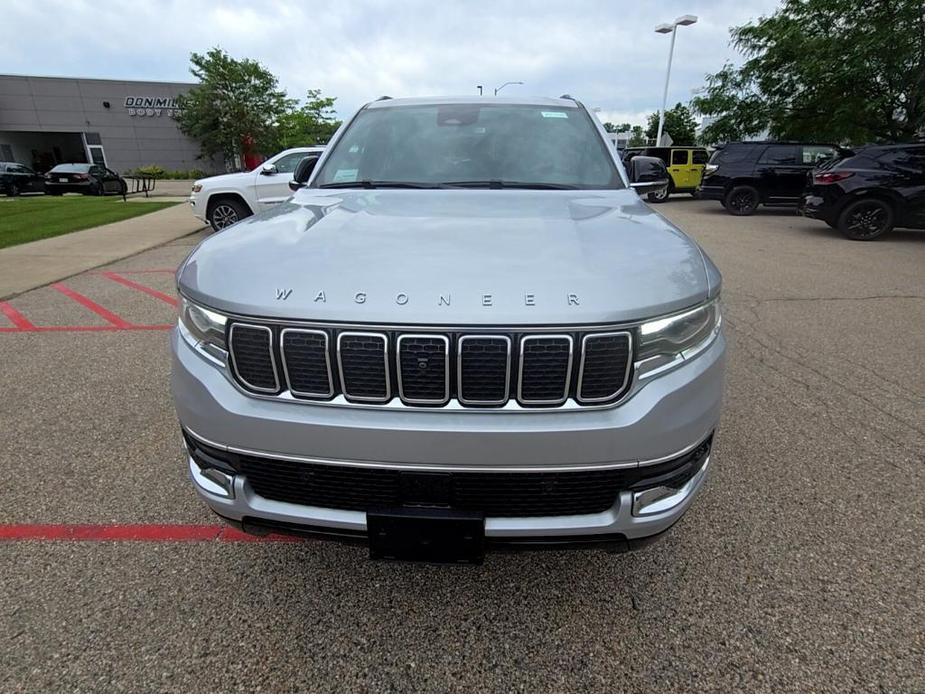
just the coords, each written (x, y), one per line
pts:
(252, 357)
(484, 365)
(545, 369)
(306, 362)
(363, 359)
(605, 366)
(423, 369)
(484, 370)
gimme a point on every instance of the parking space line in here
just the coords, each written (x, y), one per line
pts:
(18, 319)
(148, 271)
(133, 533)
(103, 313)
(115, 277)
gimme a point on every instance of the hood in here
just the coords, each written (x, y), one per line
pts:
(229, 179)
(450, 257)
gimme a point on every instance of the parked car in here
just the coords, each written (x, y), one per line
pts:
(89, 179)
(685, 167)
(223, 200)
(16, 178)
(867, 194)
(744, 175)
(464, 328)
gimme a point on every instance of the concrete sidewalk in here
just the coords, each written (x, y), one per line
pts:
(36, 264)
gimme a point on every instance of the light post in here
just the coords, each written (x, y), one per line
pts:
(479, 87)
(683, 20)
(498, 89)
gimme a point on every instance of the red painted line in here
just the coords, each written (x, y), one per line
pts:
(140, 287)
(104, 313)
(83, 328)
(18, 319)
(133, 533)
(136, 272)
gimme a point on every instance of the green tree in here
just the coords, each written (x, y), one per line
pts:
(234, 100)
(311, 124)
(637, 137)
(827, 70)
(679, 123)
(610, 127)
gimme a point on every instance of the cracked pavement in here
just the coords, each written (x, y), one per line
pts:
(800, 567)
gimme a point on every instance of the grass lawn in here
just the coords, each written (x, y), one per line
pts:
(29, 218)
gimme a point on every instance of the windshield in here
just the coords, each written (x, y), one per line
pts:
(470, 145)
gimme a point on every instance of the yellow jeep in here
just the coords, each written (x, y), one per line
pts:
(685, 167)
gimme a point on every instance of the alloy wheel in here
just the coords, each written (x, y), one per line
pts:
(224, 216)
(867, 219)
(742, 201)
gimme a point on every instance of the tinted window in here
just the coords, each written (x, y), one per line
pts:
(288, 163)
(472, 142)
(17, 168)
(817, 154)
(679, 157)
(71, 168)
(908, 160)
(700, 156)
(779, 155)
(733, 154)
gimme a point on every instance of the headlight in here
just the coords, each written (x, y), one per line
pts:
(197, 187)
(672, 339)
(204, 325)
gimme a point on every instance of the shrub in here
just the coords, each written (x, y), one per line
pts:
(158, 172)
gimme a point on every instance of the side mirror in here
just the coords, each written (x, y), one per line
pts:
(303, 172)
(269, 170)
(648, 174)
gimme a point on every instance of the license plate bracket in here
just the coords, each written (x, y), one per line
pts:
(436, 535)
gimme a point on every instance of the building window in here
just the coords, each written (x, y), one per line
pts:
(93, 138)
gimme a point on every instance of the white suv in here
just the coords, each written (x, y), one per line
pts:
(223, 200)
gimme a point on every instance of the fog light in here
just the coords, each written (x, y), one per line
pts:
(212, 480)
(660, 499)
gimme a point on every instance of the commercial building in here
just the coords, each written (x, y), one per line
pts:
(118, 123)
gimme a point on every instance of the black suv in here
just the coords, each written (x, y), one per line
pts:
(867, 194)
(743, 175)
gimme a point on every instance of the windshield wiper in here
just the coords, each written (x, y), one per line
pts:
(379, 184)
(497, 183)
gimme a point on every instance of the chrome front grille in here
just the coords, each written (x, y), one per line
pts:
(432, 368)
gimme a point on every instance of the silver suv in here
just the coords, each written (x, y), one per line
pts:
(464, 329)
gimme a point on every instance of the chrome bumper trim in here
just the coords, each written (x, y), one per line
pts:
(443, 468)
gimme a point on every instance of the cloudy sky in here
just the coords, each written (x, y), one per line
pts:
(602, 52)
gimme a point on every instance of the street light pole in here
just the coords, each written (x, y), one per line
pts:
(479, 87)
(684, 20)
(498, 89)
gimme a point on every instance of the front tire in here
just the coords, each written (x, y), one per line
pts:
(660, 196)
(742, 201)
(866, 220)
(224, 213)
(13, 190)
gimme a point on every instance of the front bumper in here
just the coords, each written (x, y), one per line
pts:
(667, 416)
(708, 192)
(197, 207)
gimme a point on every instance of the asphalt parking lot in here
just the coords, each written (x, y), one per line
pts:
(799, 568)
